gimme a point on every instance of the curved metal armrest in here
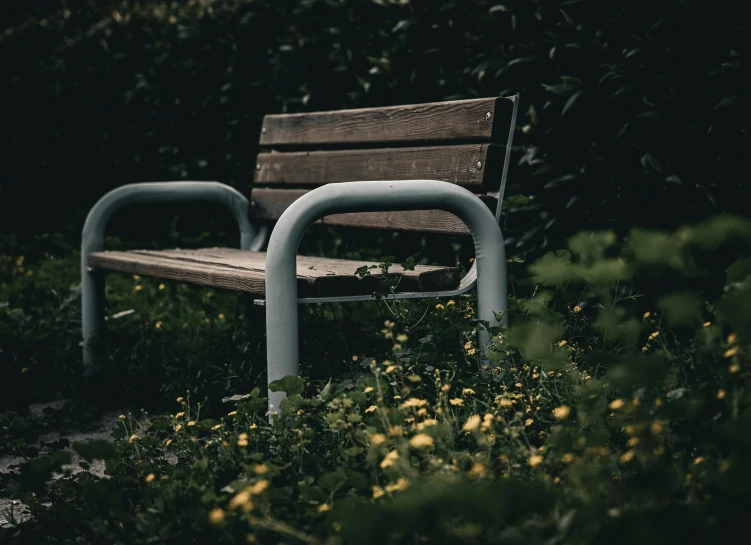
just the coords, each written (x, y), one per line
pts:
(92, 239)
(281, 271)
(102, 211)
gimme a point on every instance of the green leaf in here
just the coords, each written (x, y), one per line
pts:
(96, 449)
(681, 309)
(591, 244)
(289, 385)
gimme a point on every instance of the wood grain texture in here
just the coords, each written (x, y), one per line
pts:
(244, 271)
(268, 205)
(455, 164)
(458, 120)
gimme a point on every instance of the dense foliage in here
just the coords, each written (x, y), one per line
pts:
(634, 113)
(591, 422)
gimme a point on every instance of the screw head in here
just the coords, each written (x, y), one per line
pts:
(258, 166)
(488, 116)
(479, 165)
(263, 130)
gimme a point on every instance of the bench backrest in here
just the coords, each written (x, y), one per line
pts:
(464, 142)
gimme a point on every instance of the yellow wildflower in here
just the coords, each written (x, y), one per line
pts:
(132, 438)
(216, 516)
(377, 439)
(707, 324)
(529, 422)
(378, 492)
(390, 368)
(368, 390)
(577, 309)
(191, 423)
(439, 306)
(476, 471)
(422, 440)
(324, 507)
(354, 358)
(450, 303)
(139, 287)
(535, 460)
(472, 423)
(232, 413)
(216, 427)
(396, 431)
(371, 409)
(561, 412)
(568, 458)
(732, 338)
(413, 402)
(180, 414)
(653, 336)
(458, 402)
(721, 394)
(150, 477)
(161, 287)
(401, 484)
(168, 442)
(389, 459)
(178, 427)
(259, 487)
(426, 423)
(616, 404)
(627, 456)
(468, 391)
(241, 499)
(179, 399)
(121, 417)
(221, 316)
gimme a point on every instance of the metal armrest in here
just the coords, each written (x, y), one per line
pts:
(281, 271)
(92, 240)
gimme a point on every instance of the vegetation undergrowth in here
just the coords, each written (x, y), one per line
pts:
(608, 412)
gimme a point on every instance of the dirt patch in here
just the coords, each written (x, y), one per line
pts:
(101, 428)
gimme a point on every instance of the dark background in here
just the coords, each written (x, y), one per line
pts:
(632, 113)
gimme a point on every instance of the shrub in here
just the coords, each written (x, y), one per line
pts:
(633, 113)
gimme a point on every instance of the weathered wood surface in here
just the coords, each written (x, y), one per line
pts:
(268, 205)
(458, 120)
(474, 166)
(244, 271)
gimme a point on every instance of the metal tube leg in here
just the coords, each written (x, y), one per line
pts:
(92, 312)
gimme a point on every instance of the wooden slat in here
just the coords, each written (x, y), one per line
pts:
(268, 205)
(243, 271)
(474, 166)
(458, 120)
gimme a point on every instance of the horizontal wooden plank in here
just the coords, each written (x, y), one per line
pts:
(269, 204)
(475, 120)
(244, 271)
(475, 166)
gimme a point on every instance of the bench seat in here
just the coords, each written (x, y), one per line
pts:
(244, 271)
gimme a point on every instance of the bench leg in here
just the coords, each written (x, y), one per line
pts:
(92, 312)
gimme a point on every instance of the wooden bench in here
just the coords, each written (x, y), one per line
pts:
(438, 168)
